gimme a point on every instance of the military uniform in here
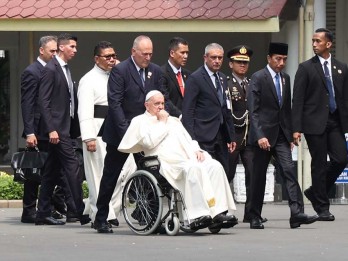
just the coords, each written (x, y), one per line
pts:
(237, 95)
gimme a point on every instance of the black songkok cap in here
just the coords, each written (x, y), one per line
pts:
(278, 48)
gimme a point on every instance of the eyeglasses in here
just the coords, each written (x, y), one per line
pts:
(108, 57)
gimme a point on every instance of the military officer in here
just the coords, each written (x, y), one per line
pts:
(239, 58)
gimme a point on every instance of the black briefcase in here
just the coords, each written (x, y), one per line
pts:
(28, 164)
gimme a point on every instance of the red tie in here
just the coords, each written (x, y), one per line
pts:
(181, 85)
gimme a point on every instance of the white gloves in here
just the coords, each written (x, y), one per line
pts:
(346, 136)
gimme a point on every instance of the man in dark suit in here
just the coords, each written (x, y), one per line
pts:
(175, 75)
(204, 113)
(128, 84)
(31, 116)
(58, 104)
(239, 59)
(269, 102)
(320, 112)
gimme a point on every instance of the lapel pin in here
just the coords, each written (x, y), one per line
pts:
(339, 71)
(149, 75)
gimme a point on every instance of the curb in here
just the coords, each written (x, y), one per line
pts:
(4, 203)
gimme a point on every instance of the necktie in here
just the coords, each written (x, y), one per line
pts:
(71, 90)
(181, 85)
(243, 85)
(277, 85)
(218, 88)
(332, 102)
(141, 73)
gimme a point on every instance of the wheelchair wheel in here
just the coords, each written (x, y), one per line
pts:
(142, 203)
(172, 225)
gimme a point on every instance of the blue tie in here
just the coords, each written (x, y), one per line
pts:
(332, 102)
(277, 85)
(141, 73)
(218, 89)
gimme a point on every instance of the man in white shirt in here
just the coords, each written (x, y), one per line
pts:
(92, 109)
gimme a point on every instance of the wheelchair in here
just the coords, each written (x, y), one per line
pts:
(149, 201)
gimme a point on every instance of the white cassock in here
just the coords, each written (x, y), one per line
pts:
(92, 91)
(204, 184)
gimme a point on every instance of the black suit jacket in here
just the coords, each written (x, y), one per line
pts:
(267, 117)
(202, 112)
(31, 115)
(310, 109)
(126, 97)
(54, 99)
(172, 88)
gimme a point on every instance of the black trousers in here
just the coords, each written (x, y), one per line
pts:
(60, 197)
(282, 154)
(324, 174)
(61, 159)
(113, 164)
(217, 148)
(246, 155)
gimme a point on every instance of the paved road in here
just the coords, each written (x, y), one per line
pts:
(318, 241)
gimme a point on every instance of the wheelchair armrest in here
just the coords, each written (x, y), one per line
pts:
(150, 163)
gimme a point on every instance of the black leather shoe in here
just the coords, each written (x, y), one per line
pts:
(310, 196)
(102, 228)
(114, 222)
(201, 222)
(72, 217)
(247, 220)
(302, 218)
(226, 221)
(326, 216)
(256, 223)
(28, 219)
(48, 221)
(84, 219)
(55, 214)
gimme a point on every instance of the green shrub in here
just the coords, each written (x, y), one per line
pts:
(10, 189)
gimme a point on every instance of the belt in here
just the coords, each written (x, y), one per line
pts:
(100, 111)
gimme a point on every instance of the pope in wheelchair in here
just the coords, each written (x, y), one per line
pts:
(200, 179)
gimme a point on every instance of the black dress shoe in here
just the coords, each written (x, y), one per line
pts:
(201, 222)
(48, 221)
(72, 217)
(28, 219)
(310, 196)
(256, 223)
(302, 218)
(326, 216)
(55, 214)
(114, 222)
(226, 221)
(247, 220)
(84, 219)
(102, 228)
